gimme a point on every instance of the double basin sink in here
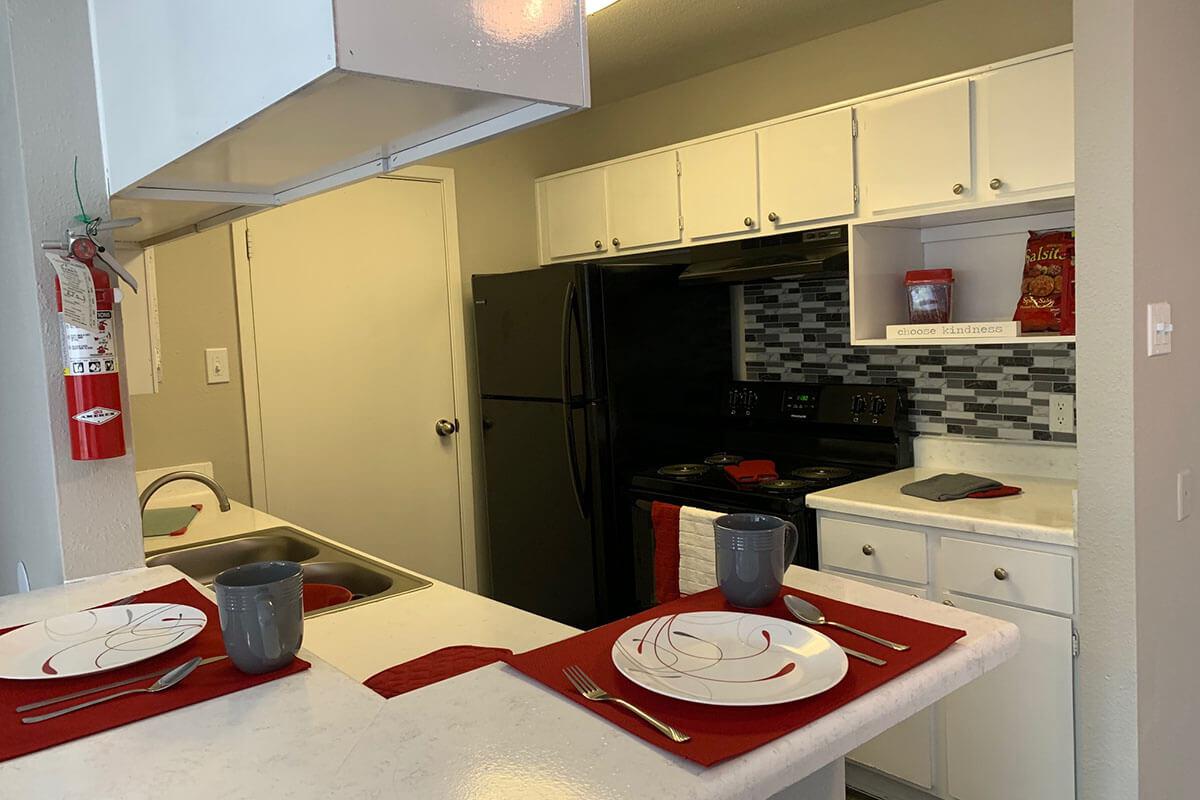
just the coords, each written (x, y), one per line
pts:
(320, 561)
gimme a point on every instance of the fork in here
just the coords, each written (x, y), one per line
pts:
(588, 688)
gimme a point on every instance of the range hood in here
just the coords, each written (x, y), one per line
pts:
(213, 110)
(811, 254)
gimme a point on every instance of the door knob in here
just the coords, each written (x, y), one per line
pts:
(444, 427)
(748, 222)
(958, 188)
(616, 242)
(599, 244)
(995, 183)
(773, 217)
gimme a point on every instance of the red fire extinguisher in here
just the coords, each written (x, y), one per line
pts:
(93, 384)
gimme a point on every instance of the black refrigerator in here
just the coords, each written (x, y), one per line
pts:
(587, 372)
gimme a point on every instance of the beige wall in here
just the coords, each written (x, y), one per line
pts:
(496, 217)
(189, 420)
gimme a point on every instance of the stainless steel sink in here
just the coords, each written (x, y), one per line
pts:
(321, 562)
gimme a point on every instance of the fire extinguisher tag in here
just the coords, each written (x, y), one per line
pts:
(88, 353)
(78, 292)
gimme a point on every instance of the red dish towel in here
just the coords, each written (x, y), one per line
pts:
(999, 491)
(752, 471)
(664, 518)
(433, 667)
(721, 733)
(209, 681)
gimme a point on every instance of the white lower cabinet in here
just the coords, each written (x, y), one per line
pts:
(905, 750)
(1011, 733)
(1008, 735)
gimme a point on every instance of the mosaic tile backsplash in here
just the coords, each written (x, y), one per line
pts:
(800, 331)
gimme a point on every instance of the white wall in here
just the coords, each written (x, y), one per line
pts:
(65, 519)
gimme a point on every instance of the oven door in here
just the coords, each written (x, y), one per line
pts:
(643, 536)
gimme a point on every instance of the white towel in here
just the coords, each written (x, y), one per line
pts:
(697, 550)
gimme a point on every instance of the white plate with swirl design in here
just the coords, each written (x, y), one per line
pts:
(98, 640)
(726, 658)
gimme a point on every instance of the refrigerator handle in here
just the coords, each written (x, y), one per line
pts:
(568, 317)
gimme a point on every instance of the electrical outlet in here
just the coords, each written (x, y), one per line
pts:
(216, 364)
(1062, 413)
(1183, 495)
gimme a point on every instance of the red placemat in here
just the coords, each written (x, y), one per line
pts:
(433, 667)
(209, 681)
(719, 733)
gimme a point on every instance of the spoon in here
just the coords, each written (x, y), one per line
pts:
(165, 682)
(808, 613)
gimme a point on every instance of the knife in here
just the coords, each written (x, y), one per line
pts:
(106, 687)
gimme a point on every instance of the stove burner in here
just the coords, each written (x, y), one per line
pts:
(683, 470)
(821, 473)
(723, 459)
(783, 485)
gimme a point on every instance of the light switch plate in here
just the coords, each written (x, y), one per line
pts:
(216, 364)
(1158, 329)
(1183, 492)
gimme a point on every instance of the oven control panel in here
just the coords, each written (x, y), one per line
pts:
(835, 404)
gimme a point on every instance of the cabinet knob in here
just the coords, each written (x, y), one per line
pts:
(958, 188)
(995, 183)
(599, 244)
(1001, 573)
(868, 550)
(947, 603)
(616, 242)
(773, 217)
(748, 222)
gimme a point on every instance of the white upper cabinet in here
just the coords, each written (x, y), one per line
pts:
(574, 215)
(807, 169)
(718, 186)
(916, 148)
(643, 201)
(1027, 126)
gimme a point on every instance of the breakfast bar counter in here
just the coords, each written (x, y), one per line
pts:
(490, 733)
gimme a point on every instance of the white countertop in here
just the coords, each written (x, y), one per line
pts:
(1043, 512)
(491, 733)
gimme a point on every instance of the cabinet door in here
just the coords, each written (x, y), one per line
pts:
(718, 186)
(1011, 733)
(1027, 125)
(574, 214)
(905, 750)
(643, 201)
(916, 147)
(808, 168)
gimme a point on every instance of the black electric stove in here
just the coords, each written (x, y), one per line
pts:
(818, 436)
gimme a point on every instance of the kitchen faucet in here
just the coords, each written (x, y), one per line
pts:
(161, 481)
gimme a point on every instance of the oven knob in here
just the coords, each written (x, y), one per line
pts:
(858, 404)
(879, 406)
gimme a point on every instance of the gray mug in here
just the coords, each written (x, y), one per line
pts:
(261, 607)
(753, 551)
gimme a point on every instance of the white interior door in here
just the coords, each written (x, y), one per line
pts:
(352, 334)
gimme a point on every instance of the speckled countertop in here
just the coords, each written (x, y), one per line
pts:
(491, 733)
(1043, 512)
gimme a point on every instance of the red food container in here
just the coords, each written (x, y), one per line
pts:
(930, 295)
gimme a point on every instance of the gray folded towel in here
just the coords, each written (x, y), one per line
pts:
(949, 486)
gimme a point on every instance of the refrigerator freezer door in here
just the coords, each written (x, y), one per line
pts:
(523, 320)
(543, 552)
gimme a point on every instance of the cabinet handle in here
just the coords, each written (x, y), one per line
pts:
(958, 188)
(947, 603)
(599, 244)
(748, 222)
(773, 217)
(868, 550)
(1001, 573)
(616, 242)
(995, 183)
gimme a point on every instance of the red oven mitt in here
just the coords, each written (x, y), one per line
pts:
(753, 471)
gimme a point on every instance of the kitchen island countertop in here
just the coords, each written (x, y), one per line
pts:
(490, 733)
